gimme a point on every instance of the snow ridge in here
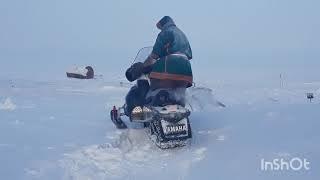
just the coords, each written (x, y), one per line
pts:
(7, 105)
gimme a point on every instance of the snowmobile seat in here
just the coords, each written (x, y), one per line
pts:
(163, 98)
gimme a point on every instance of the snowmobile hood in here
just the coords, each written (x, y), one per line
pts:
(165, 22)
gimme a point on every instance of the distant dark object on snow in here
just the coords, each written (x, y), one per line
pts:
(310, 96)
(81, 73)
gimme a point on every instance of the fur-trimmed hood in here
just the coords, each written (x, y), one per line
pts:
(165, 22)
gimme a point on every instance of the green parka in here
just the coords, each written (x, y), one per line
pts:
(173, 68)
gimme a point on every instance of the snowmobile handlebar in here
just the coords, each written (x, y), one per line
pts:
(137, 68)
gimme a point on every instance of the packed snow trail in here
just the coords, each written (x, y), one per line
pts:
(130, 154)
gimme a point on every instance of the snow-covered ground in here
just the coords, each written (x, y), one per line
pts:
(61, 130)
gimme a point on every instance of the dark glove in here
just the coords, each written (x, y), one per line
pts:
(135, 71)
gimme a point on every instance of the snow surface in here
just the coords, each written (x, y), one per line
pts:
(61, 130)
(8, 105)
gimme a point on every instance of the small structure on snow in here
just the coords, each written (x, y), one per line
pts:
(81, 73)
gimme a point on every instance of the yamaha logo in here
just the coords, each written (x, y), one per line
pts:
(176, 129)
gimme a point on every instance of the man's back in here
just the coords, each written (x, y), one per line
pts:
(171, 40)
(172, 69)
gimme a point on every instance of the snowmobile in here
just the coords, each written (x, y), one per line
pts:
(166, 123)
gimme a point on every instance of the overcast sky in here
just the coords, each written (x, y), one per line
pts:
(224, 34)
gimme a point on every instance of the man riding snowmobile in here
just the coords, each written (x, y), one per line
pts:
(168, 67)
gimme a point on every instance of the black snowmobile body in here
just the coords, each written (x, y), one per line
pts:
(165, 119)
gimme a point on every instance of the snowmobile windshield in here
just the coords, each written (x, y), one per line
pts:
(142, 54)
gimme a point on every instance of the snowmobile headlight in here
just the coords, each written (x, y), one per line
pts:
(137, 110)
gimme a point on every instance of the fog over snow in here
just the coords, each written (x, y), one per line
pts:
(259, 58)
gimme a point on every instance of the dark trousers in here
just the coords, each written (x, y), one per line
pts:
(136, 96)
